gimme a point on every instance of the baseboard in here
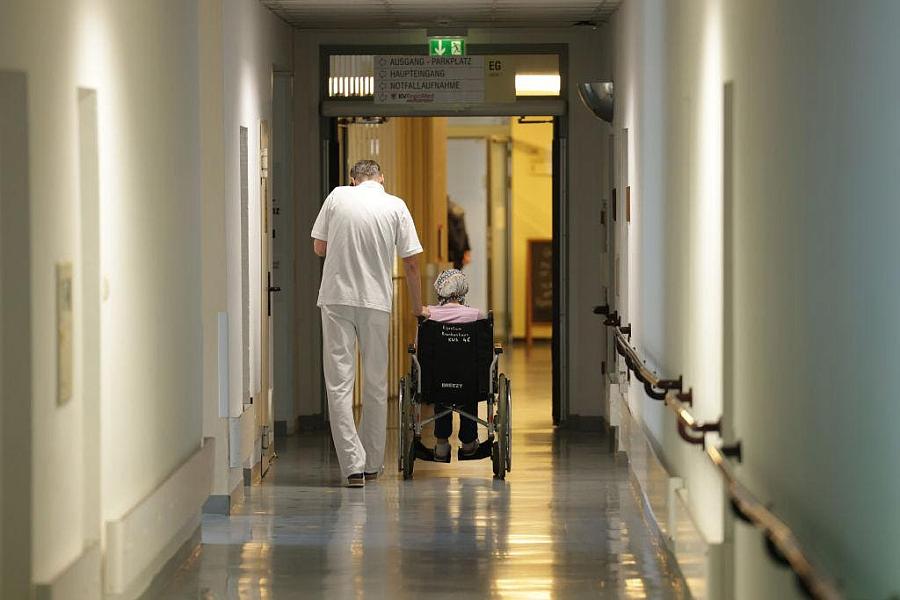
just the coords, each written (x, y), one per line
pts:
(141, 542)
(168, 570)
(217, 504)
(664, 504)
(79, 581)
(586, 423)
(221, 504)
(253, 474)
(311, 422)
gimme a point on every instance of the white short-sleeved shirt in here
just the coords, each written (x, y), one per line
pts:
(365, 228)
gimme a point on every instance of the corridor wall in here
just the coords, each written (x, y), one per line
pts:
(161, 164)
(142, 61)
(763, 147)
(242, 43)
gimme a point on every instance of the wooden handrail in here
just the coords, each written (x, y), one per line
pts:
(783, 546)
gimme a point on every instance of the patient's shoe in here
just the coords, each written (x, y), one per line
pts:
(474, 450)
(442, 451)
(469, 448)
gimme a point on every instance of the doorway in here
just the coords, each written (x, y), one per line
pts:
(498, 174)
(535, 75)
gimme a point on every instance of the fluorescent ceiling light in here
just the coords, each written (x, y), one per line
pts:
(537, 85)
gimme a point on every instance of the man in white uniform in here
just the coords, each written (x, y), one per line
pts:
(359, 231)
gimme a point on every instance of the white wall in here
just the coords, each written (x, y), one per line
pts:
(254, 42)
(467, 186)
(672, 262)
(242, 44)
(790, 338)
(167, 129)
(144, 62)
(585, 136)
(141, 59)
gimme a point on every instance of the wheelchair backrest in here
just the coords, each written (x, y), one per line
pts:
(455, 359)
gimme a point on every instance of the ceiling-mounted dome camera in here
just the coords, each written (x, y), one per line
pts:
(598, 96)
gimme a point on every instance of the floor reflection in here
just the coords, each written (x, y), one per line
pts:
(565, 524)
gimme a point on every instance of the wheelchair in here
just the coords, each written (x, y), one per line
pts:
(451, 364)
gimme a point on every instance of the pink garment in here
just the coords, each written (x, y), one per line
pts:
(454, 313)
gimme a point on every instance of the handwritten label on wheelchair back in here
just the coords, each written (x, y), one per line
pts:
(454, 334)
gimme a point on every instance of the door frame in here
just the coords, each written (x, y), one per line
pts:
(264, 409)
(557, 107)
(15, 338)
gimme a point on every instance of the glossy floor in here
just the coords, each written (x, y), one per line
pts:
(565, 524)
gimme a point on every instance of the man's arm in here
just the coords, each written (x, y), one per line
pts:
(413, 283)
(320, 247)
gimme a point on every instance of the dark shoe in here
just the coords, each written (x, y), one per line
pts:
(442, 452)
(356, 480)
(423, 453)
(469, 448)
(482, 450)
(371, 476)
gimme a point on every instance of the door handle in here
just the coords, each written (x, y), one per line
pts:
(271, 289)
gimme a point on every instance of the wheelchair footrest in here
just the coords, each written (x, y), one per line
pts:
(484, 451)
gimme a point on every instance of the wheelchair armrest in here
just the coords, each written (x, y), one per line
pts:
(498, 349)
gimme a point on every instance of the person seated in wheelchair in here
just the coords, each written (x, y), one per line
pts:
(452, 286)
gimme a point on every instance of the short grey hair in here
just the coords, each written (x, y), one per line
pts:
(364, 170)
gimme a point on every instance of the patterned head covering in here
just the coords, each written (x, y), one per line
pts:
(451, 285)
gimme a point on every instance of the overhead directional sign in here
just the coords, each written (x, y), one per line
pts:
(442, 80)
(446, 47)
(429, 79)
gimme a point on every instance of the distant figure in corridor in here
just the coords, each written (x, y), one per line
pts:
(452, 286)
(359, 231)
(458, 248)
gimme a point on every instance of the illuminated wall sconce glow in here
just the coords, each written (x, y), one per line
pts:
(537, 85)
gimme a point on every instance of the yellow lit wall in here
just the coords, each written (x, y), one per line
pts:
(532, 213)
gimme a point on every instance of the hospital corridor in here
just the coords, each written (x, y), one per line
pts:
(407, 299)
(455, 533)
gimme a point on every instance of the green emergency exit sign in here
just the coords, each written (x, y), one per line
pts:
(446, 47)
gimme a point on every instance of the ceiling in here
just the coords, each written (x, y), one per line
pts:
(407, 14)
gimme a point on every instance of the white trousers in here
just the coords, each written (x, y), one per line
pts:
(342, 328)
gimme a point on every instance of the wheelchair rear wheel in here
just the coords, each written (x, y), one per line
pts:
(406, 450)
(501, 453)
